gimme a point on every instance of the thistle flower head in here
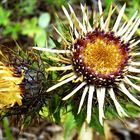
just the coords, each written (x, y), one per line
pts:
(101, 58)
(10, 88)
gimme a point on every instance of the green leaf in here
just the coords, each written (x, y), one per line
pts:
(44, 111)
(12, 30)
(108, 3)
(132, 109)
(80, 119)
(57, 3)
(41, 38)
(107, 6)
(55, 42)
(54, 75)
(133, 6)
(44, 20)
(95, 122)
(30, 27)
(4, 16)
(69, 125)
(7, 129)
(26, 7)
(111, 112)
(54, 107)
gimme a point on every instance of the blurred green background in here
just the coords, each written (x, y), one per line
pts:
(30, 21)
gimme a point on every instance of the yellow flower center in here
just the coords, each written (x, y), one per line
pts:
(102, 57)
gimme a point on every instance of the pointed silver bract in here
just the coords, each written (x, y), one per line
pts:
(119, 109)
(68, 16)
(101, 12)
(134, 44)
(51, 50)
(133, 77)
(83, 98)
(117, 23)
(101, 98)
(61, 83)
(129, 23)
(89, 104)
(74, 91)
(70, 67)
(131, 30)
(135, 63)
(131, 84)
(134, 70)
(128, 94)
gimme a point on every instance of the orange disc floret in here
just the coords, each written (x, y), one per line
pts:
(100, 57)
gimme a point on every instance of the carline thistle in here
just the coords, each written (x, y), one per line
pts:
(100, 58)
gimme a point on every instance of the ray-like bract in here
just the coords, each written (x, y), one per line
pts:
(101, 14)
(54, 58)
(60, 68)
(119, 109)
(74, 91)
(135, 63)
(77, 23)
(66, 76)
(131, 84)
(129, 23)
(131, 30)
(134, 70)
(127, 93)
(86, 23)
(89, 104)
(134, 30)
(135, 53)
(62, 83)
(117, 23)
(52, 50)
(68, 16)
(101, 98)
(133, 77)
(134, 44)
(107, 22)
(83, 98)
(119, 32)
(62, 36)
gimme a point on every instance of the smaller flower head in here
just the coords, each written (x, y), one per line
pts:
(10, 88)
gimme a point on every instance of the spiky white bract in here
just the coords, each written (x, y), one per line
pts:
(119, 109)
(89, 104)
(77, 29)
(83, 98)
